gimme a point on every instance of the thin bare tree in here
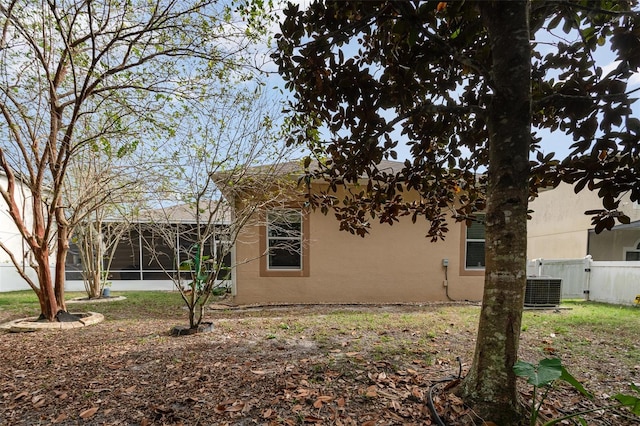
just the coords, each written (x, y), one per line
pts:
(219, 184)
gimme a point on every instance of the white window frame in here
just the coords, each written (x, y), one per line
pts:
(296, 238)
(467, 240)
(634, 249)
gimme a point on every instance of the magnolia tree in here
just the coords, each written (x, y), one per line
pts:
(466, 85)
(103, 74)
(217, 184)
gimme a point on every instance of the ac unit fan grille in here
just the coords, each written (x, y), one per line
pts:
(543, 292)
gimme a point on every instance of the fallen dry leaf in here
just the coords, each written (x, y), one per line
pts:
(61, 417)
(229, 407)
(417, 393)
(371, 392)
(234, 408)
(88, 413)
(20, 395)
(302, 393)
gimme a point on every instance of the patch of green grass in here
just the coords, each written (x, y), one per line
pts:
(579, 324)
(138, 305)
(14, 298)
(593, 316)
(289, 327)
(17, 304)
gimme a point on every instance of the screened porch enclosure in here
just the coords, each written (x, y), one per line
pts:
(147, 253)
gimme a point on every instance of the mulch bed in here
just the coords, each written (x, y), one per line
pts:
(135, 373)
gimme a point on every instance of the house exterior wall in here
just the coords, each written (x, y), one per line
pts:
(610, 246)
(10, 279)
(392, 264)
(9, 234)
(559, 228)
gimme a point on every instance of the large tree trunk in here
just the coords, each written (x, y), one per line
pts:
(46, 295)
(39, 245)
(491, 384)
(61, 257)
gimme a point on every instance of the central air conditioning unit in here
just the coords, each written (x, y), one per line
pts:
(543, 292)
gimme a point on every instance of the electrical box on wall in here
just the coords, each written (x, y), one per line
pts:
(445, 262)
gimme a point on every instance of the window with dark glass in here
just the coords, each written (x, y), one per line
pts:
(158, 248)
(284, 239)
(149, 252)
(632, 255)
(474, 247)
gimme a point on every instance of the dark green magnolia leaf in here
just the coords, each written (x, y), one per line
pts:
(633, 125)
(624, 219)
(579, 186)
(610, 203)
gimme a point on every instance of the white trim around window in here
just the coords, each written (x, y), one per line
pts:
(632, 253)
(284, 240)
(474, 246)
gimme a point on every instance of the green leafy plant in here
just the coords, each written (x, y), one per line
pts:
(631, 401)
(546, 372)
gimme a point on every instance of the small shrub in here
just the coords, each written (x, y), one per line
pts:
(546, 372)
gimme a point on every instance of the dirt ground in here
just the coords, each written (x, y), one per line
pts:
(291, 366)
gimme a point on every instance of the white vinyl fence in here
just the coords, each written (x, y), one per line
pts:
(608, 282)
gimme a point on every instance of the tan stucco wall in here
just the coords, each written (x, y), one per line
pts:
(559, 228)
(611, 245)
(564, 245)
(392, 264)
